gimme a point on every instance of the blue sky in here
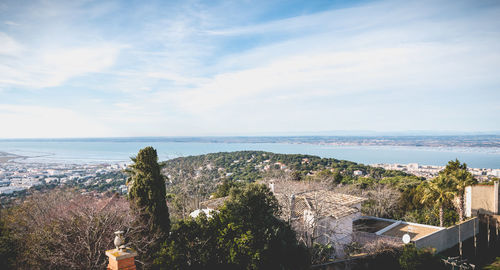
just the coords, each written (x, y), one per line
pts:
(190, 68)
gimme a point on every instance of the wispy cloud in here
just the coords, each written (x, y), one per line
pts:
(40, 68)
(196, 67)
(11, 23)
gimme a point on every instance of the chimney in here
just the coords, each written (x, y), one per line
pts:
(271, 187)
(122, 257)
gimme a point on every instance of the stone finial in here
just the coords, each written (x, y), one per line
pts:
(122, 257)
(118, 239)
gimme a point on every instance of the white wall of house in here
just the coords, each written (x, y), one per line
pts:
(332, 230)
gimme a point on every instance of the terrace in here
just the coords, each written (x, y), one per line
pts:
(368, 229)
(393, 228)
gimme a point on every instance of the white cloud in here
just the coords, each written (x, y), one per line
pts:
(22, 121)
(48, 68)
(330, 73)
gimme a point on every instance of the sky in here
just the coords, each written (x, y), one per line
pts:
(197, 68)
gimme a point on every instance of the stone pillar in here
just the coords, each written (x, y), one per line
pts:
(496, 203)
(121, 259)
(468, 201)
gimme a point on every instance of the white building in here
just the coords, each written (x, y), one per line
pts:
(326, 216)
(357, 173)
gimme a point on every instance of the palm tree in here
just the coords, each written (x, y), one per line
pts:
(461, 182)
(438, 191)
(461, 178)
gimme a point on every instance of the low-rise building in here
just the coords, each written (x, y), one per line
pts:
(324, 216)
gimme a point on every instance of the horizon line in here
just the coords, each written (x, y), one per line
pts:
(380, 134)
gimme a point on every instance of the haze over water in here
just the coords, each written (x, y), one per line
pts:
(120, 150)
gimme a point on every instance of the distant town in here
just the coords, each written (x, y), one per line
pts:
(468, 141)
(430, 171)
(20, 176)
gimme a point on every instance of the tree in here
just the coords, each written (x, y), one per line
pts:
(64, 230)
(245, 234)
(296, 176)
(413, 258)
(383, 201)
(254, 237)
(438, 191)
(8, 246)
(192, 245)
(461, 178)
(225, 187)
(147, 190)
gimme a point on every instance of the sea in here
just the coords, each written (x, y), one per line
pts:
(120, 150)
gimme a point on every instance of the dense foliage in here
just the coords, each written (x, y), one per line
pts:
(444, 194)
(412, 258)
(245, 234)
(250, 165)
(406, 258)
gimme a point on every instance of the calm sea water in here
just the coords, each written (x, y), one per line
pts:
(112, 151)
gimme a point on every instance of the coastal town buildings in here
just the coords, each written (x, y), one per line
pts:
(430, 171)
(19, 176)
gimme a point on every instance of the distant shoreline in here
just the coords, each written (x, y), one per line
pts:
(6, 157)
(440, 141)
(360, 150)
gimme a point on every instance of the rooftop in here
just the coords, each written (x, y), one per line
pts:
(324, 203)
(332, 197)
(415, 231)
(322, 208)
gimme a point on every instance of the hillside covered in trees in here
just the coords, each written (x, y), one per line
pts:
(193, 179)
(253, 165)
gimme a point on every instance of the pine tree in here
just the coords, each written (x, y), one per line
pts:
(147, 190)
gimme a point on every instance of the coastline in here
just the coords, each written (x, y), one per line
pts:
(6, 157)
(113, 152)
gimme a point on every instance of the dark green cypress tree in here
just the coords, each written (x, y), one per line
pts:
(147, 190)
